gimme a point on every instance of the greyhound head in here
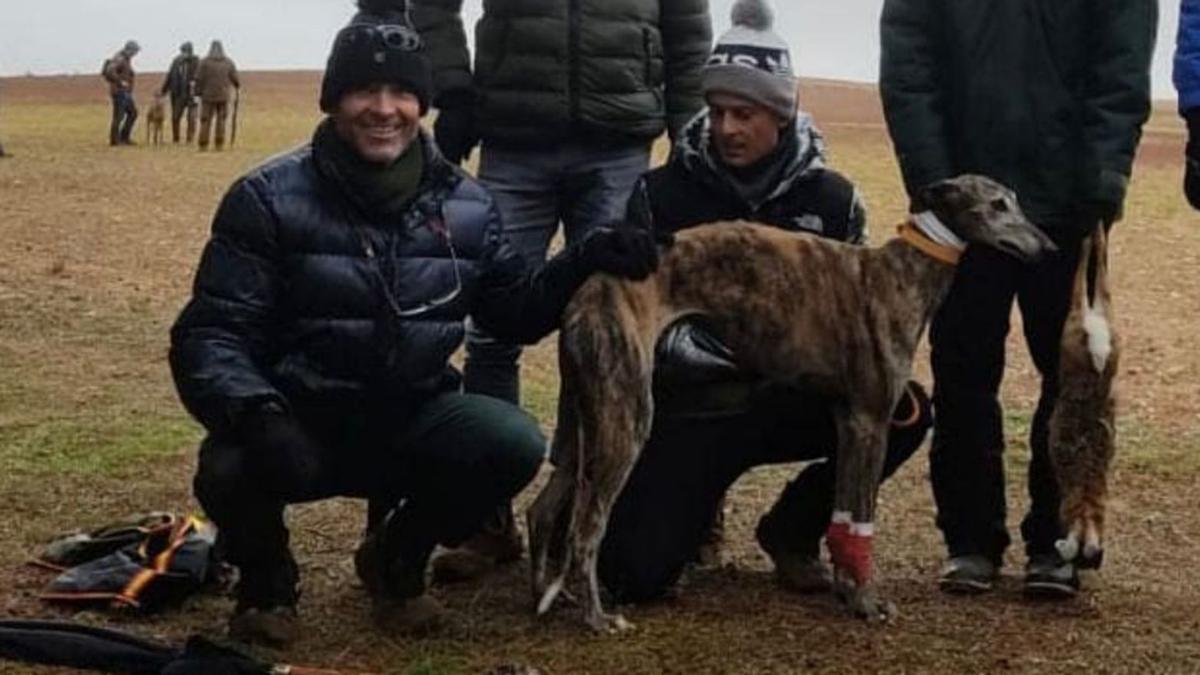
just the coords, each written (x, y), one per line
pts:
(982, 211)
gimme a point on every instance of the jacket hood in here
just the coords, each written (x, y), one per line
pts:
(694, 153)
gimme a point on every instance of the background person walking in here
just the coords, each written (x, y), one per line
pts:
(180, 83)
(118, 72)
(216, 74)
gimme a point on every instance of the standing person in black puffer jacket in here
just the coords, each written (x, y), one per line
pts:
(1047, 97)
(750, 156)
(566, 98)
(315, 347)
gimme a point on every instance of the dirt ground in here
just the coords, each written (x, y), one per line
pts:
(97, 250)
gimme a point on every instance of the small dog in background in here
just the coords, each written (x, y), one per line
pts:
(155, 119)
(1082, 427)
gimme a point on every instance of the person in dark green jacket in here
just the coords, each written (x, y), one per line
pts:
(566, 97)
(1048, 97)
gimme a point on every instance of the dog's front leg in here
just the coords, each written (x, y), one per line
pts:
(862, 443)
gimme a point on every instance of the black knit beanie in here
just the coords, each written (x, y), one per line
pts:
(379, 45)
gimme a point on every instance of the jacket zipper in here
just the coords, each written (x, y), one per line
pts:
(573, 57)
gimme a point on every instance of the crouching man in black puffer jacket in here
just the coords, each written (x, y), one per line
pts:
(315, 347)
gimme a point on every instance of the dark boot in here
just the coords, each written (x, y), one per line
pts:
(790, 533)
(277, 627)
(391, 563)
(1048, 576)
(266, 607)
(497, 543)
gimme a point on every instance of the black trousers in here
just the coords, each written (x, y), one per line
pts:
(181, 106)
(968, 339)
(451, 462)
(688, 464)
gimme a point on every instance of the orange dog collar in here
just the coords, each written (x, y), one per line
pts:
(914, 237)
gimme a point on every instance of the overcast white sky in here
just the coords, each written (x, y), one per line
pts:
(829, 38)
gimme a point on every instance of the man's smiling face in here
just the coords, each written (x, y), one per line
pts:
(380, 122)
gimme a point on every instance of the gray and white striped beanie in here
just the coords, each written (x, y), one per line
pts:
(752, 61)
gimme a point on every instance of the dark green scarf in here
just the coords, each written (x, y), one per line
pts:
(386, 190)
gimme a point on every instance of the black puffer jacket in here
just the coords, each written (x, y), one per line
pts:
(287, 303)
(180, 81)
(614, 70)
(694, 188)
(695, 374)
(1045, 96)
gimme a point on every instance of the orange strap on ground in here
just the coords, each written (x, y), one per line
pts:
(910, 234)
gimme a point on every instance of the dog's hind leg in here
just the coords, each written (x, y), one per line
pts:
(615, 414)
(549, 522)
(600, 482)
(549, 518)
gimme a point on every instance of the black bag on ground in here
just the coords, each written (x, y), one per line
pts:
(144, 563)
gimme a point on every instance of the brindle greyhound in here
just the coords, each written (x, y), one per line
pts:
(813, 313)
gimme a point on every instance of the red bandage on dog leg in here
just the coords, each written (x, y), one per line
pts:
(850, 547)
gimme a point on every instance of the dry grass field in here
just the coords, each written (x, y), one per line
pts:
(97, 250)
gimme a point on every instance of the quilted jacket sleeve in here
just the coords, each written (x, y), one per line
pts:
(440, 24)
(910, 85)
(219, 343)
(1118, 98)
(519, 304)
(687, 39)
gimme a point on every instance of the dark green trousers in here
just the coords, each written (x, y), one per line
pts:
(450, 461)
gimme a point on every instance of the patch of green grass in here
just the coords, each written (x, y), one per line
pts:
(540, 398)
(1148, 450)
(93, 447)
(1140, 446)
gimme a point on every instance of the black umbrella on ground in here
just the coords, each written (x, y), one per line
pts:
(110, 651)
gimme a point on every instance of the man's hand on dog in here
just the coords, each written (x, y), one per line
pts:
(623, 251)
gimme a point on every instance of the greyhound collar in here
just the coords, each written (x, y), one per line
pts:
(928, 235)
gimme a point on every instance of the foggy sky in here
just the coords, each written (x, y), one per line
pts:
(829, 38)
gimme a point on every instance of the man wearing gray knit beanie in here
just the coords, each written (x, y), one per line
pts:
(750, 90)
(752, 156)
(752, 61)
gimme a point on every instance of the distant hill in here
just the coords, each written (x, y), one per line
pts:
(837, 105)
